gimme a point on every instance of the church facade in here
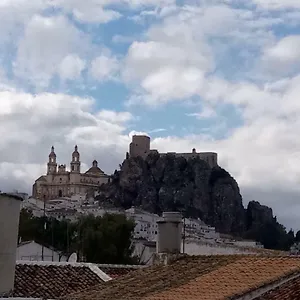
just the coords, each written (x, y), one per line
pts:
(58, 182)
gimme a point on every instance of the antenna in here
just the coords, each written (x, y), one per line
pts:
(73, 257)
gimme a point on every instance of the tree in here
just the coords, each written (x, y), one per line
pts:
(272, 235)
(104, 239)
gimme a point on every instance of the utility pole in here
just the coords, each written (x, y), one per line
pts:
(44, 217)
(52, 227)
(183, 244)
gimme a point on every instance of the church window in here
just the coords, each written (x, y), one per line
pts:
(72, 168)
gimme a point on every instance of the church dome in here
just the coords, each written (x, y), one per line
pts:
(94, 169)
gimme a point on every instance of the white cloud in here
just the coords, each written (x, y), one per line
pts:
(14, 14)
(99, 11)
(115, 117)
(104, 67)
(206, 113)
(283, 57)
(71, 67)
(47, 41)
(277, 4)
(177, 56)
(90, 11)
(166, 71)
(55, 119)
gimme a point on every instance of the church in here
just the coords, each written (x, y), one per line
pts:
(58, 182)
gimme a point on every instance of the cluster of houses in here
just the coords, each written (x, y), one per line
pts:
(198, 237)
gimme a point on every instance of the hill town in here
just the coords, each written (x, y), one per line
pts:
(72, 219)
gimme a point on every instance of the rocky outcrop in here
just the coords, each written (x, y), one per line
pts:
(258, 214)
(169, 183)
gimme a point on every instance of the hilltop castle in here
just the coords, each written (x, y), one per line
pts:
(140, 146)
(58, 182)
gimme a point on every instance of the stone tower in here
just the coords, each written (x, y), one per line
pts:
(75, 163)
(52, 164)
(140, 146)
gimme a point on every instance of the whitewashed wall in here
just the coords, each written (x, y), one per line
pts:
(191, 248)
(33, 251)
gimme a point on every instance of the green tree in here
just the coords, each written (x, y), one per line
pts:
(104, 239)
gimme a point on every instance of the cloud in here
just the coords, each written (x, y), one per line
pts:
(89, 11)
(104, 67)
(30, 125)
(115, 117)
(283, 57)
(99, 11)
(179, 55)
(47, 43)
(14, 14)
(206, 112)
(71, 67)
(277, 4)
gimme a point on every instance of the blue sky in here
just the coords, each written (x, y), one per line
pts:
(216, 75)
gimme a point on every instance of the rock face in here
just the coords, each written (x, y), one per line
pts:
(258, 214)
(169, 183)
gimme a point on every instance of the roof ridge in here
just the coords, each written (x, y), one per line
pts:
(121, 266)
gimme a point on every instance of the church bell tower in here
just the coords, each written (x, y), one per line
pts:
(52, 164)
(75, 163)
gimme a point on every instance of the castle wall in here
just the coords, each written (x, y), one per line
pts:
(140, 146)
(210, 157)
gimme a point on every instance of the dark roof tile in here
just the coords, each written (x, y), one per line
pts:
(42, 280)
(287, 291)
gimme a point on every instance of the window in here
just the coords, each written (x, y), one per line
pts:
(72, 168)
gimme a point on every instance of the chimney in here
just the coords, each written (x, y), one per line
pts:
(9, 227)
(169, 237)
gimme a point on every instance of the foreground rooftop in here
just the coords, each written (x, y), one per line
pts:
(206, 277)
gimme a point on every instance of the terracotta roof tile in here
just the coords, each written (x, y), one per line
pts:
(146, 281)
(212, 277)
(52, 280)
(233, 280)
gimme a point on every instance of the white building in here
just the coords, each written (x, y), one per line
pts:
(32, 251)
(146, 223)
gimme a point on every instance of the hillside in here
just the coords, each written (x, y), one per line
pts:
(165, 183)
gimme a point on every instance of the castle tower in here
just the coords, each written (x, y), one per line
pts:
(140, 146)
(52, 164)
(75, 163)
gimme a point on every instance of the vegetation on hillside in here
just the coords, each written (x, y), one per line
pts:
(272, 235)
(104, 239)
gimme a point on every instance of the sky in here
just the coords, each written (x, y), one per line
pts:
(215, 75)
